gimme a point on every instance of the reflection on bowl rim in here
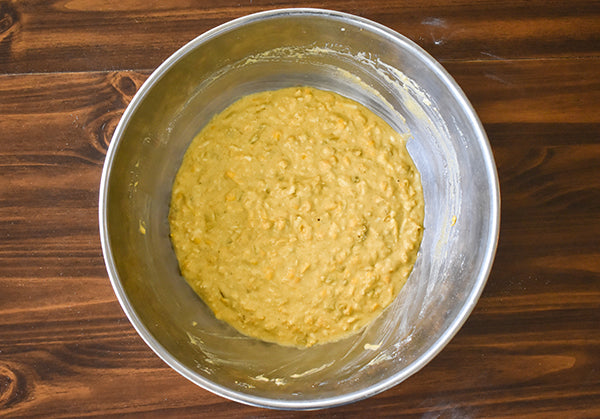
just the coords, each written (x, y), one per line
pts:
(432, 351)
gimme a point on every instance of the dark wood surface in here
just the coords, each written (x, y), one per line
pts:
(531, 348)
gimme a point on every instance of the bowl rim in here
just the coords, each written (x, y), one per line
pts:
(447, 335)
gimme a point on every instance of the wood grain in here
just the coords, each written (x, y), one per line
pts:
(531, 347)
(83, 35)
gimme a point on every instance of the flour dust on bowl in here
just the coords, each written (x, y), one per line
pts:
(360, 60)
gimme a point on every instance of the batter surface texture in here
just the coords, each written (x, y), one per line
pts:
(297, 216)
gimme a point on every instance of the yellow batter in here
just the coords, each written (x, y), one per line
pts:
(297, 216)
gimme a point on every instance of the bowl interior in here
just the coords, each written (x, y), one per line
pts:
(358, 59)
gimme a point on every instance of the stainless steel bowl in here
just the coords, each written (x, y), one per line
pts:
(359, 59)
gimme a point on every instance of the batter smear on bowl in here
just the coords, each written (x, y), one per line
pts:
(297, 215)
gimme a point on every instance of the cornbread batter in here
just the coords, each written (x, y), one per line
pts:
(297, 216)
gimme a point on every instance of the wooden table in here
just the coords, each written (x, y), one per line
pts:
(532, 71)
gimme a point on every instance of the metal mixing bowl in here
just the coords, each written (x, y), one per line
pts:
(361, 60)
